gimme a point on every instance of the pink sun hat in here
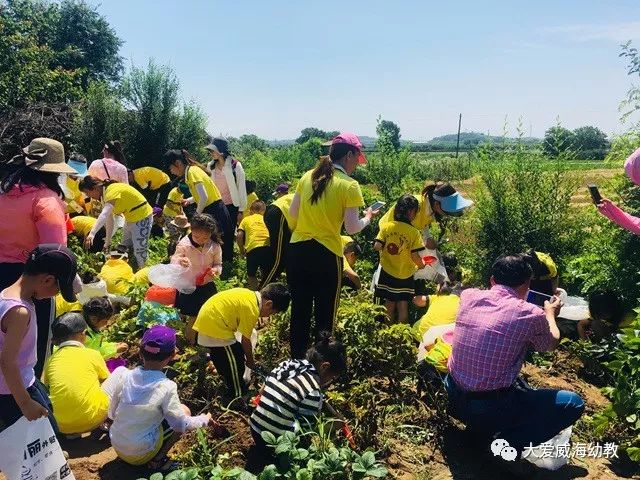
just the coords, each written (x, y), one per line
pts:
(632, 167)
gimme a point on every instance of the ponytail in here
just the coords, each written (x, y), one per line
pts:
(183, 156)
(321, 176)
(88, 183)
(115, 148)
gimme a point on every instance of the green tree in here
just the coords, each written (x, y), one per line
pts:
(246, 145)
(189, 130)
(153, 95)
(590, 143)
(312, 132)
(557, 140)
(87, 42)
(98, 118)
(388, 136)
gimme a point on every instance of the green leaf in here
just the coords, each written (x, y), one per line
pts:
(156, 476)
(632, 418)
(368, 459)
(303, 474)
(634, 453)
(175, 475)
(269, 438)
(359, 468)
(377, 472)
(269, 473)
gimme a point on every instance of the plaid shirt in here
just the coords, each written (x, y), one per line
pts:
(494, 329)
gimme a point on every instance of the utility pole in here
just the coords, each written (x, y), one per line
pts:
(458, 142)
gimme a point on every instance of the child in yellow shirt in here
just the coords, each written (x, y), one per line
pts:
(399, 243)
(231, 311)
(253, 240)
(73, 375)
(351, 250)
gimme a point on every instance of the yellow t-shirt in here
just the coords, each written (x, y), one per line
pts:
(83, 224)
(77, 199)
(173, 207)
(423, 219)
(62, 306)
(322, 221)
(150, 177)
(255, 232)
(399, 240)
(141, 277)
(284, 203)
(252, 197)
(116, 273)
(228, 312)
(73, 374)
(195, 175)
(126, 200)
(443, 310)
(346, 240)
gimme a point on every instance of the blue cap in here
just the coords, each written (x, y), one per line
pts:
(454, 203)
(80, 167)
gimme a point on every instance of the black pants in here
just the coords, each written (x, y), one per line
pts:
(10, 412)
(189, 304)
(314, 274)
(229, 363)
(259, 455)
(218, 210)
(279, 236)
(9, 273)
(161, 195)
(230, 233)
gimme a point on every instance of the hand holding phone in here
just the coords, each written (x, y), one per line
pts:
(595, 194)
(377, 205)
(538, 298)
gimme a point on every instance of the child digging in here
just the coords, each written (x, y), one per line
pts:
(253, 240)
(231, 311)
(292, 397)
(399, 243)
(73, 375)
(200, 252)
(50, 268)
(147, 415)
(97, 313)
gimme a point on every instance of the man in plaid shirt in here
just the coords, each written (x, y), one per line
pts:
(494, 330)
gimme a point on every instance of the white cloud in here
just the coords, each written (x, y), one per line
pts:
(615, 32)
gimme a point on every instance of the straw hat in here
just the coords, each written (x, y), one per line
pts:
(46, 155)
(181, 221)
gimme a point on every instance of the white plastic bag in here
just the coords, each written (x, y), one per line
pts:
(30, 450)
(254, 341)
(435, 272)
(172, 276)
(375, 278)
(91, 290)
(540, 457)
(573, 308)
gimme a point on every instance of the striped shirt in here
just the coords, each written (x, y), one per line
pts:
(291, 399)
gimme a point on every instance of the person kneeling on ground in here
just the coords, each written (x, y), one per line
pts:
(147, 415)
(97, 313)
(73, 375)
(352, 251)
(231, 311)
(494, 329)
(253, 240)
(292, 397)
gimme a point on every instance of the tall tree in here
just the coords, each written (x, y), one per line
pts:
(557, 140)
(590, 138)
(312, 132)
(388, 136)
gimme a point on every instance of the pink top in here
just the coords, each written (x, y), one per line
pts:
(201, 258)
(29, 216)
(27, 355)
(116, 171)
(632, 167)
(621, 218)
(494, 329)
(220, 180)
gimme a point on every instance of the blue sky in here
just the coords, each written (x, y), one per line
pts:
(273, 67)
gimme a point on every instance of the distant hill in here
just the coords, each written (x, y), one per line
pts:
(468, 141)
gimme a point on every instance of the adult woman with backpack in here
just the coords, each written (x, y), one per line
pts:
(228, 175)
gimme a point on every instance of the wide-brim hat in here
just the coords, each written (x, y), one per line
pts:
(79, 167)
(46, 155)
(454, 203)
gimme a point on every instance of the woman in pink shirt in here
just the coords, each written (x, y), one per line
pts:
(112, 166)
(228, 175)
(32, 212)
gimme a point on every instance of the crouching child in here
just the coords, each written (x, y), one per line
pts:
(147, 415)
(231, 311)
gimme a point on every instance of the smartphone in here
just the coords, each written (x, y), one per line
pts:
(595, 194)
(537, 298)
(377, 205)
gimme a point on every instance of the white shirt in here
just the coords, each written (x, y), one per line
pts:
(139, 400)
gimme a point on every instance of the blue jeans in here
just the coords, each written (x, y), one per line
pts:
(519, 414)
